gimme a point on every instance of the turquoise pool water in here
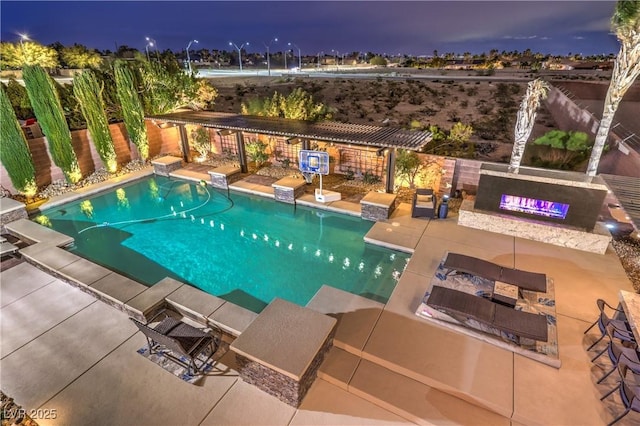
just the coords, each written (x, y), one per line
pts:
(245, 249)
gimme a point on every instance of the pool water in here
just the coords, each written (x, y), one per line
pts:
(244, 249)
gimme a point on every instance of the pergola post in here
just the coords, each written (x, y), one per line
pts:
(306, 144)
(242, 154)
(390, 171)
(184, 142)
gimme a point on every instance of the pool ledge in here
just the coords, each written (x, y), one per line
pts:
(95, 188)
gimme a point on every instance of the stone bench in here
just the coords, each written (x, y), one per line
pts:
(281, 350)
(163, 166)
(220, 176)
(287, 189)
(377, 206)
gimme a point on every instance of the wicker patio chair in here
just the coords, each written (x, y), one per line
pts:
(180, 342)
(424, 203)
(526, 280)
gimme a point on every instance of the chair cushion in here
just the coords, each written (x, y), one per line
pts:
(424, 199)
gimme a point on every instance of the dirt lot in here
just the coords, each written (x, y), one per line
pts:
(489, 105)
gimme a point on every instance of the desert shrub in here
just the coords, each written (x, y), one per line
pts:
(15, 154)
(428, 111)
(370, 178)
(453, 115)
(298, 105)
(472, 91)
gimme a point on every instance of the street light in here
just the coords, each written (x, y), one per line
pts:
(335, 56)
(299, 56)
(319, 58)
(189, 58)
(151, 42)
(23, 37)
(268, 59)
(239, 51)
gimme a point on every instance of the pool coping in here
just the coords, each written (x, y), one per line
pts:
(142, 301)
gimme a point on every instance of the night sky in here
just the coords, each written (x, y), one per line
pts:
(416, 27)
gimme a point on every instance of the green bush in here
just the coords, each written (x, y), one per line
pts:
(46, 105)
(257, 152)
(14, 151)
(298, 105)
(379, 61)
(565, 149)
(19, 99)
(89, 95)
(132, 112)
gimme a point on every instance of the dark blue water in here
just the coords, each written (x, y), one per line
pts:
(245, 249)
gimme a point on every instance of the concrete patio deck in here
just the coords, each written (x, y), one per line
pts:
(62, 349)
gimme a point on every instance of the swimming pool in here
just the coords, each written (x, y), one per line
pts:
(245, 249)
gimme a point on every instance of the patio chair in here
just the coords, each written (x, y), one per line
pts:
(460, 304)
(180, 342)
(526, 280)
(621, 327)
(617, 353)
(424, 203)
(629, 394)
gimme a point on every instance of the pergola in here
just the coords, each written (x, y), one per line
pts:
(382, 138)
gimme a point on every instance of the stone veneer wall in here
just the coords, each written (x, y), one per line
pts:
(375, 212)
(12, 216)
(277, 384)
(287, 195)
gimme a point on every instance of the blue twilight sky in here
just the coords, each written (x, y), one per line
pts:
(392, 27)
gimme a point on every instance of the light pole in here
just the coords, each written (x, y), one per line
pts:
(319, 58)
(299, 56)
(151, 42)
(23, 37)
(268, 58)
(239, 51)
(335, 57)
(188, 57)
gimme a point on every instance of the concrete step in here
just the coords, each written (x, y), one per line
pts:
(338, 367)
(463, 367)
(416, 401)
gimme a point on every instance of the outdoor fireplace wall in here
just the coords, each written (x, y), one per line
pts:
(584, 202)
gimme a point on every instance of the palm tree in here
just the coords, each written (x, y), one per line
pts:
(626, 23)
(536, 91)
